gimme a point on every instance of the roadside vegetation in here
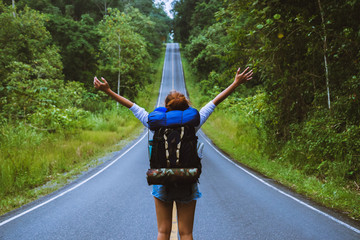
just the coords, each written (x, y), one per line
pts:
(53, 124)
(235, 130)
(30, 158)
(298, 120)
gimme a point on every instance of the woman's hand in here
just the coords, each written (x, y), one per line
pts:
(243, 77)
(240, 78)
(103, 86)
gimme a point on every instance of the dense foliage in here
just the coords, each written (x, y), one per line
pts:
(306, 58)
(49, 53)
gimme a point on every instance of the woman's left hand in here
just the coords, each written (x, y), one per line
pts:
(243, 77)
(103, 86)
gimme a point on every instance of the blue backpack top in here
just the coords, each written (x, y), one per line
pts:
(160, 117)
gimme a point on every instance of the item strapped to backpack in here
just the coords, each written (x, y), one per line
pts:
(173, 158)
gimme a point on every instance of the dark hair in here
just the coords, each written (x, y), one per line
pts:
(176, 101)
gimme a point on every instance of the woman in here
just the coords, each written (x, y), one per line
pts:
(185, 203)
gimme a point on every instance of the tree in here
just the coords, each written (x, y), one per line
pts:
(26, 40)
(32, 86)
(206, 51)
(183, 11)
(27, 56)
(134, 62)
(78, 42)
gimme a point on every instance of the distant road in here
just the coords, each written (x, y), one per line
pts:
(113, 201)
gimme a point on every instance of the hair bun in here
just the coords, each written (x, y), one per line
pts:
(176, 101)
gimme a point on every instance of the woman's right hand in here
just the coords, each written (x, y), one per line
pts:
(103, 86)
(243, 77)
(240, 78)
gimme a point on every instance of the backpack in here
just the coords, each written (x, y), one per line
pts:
(174, 159)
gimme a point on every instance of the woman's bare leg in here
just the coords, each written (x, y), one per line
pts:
(164, 218)
(186, 213)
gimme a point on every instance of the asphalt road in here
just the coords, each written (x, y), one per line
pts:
(113, 201)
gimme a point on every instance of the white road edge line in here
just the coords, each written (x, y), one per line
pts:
(278, 190)
(73, 188)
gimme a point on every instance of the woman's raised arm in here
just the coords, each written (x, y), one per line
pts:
(104, 86)
(240, 78)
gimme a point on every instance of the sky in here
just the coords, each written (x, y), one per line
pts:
(167, 6)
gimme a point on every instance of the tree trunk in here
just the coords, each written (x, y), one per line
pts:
(325, 52)
(13, 6)
(103, 5)
(118, 90)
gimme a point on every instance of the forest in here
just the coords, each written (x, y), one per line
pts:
(301, 110)
(52, 121)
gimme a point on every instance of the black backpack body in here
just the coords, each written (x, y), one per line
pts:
(174, 158)
(175, 148)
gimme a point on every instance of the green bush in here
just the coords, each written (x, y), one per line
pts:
(320, 146)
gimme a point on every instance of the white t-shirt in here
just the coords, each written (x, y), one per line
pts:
(205, 112)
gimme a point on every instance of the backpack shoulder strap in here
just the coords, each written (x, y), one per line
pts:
(178, 146)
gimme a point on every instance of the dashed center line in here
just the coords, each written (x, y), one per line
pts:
(174, 227)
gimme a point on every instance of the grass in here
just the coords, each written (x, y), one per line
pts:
(234, 134)
(35, 163)
(56, 160)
